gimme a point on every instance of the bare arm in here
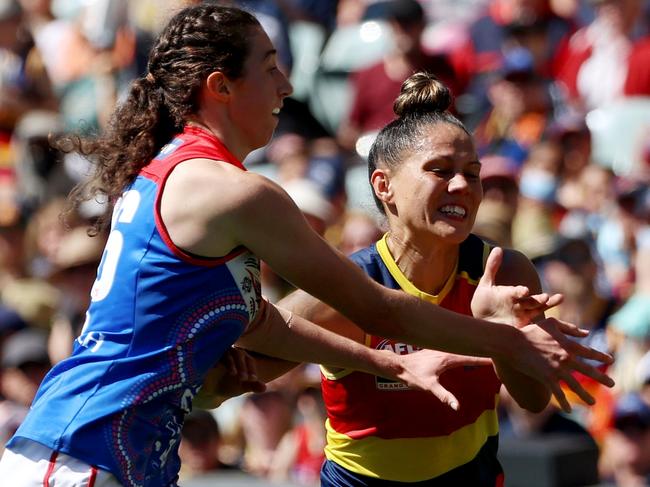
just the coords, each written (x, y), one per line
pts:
(252, 211)
(511, 268)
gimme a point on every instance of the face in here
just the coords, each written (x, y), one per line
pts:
(437, 189)
(256, 97)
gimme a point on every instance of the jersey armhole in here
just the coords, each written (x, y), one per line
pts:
(164, 234)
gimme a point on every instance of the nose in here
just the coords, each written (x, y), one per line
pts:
(286, 88)
(458, 183)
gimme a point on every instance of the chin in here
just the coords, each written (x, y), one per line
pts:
(452, 234)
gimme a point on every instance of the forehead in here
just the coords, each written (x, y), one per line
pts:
(260, 45)
(444, 141)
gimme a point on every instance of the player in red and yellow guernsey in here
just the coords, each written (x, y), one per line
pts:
(381, 428)
(424, 171)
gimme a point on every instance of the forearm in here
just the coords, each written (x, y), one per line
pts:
(526, 391)
(290, 337)
(269, 368)
(441, 329)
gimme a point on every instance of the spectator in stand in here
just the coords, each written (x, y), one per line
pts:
(626, 454)
(200, 444)
(535, 223)
(376, 87)
(593, 66)
(519, 106)
(499, 177)
(300, 455)
(24, 363)
(528, 24)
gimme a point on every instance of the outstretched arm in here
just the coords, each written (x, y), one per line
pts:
(253, 211)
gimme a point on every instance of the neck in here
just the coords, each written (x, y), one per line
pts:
(426, 264)
(221, 131)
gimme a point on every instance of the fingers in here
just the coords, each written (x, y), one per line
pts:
(593, 372)
(567, 328)
(454, 360)
(580, 391)
(554, 301)
(242, 365)
(444, 396)
(559, 395)
(589, 353)
(492, 266)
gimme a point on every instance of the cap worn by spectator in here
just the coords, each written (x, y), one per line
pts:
(28, 346)
(404, 12)
(34, 299)
(631, 411)
(10, 321)
(308, 197)
(328, 172)
(499, 167)
(518, 65)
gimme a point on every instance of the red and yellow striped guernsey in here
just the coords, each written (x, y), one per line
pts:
(383, 429)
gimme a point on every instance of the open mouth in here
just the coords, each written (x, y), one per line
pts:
(454, 212)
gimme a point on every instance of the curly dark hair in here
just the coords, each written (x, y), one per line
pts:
(197, 41)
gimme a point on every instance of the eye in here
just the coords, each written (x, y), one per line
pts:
(442, 172)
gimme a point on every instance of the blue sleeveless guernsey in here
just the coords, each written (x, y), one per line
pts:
(158, 320)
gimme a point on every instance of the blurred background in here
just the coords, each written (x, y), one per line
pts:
(557, 94)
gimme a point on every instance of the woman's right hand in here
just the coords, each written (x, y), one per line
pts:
(422, 370)
(550, 356)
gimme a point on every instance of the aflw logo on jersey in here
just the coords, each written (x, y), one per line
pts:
(399, 349)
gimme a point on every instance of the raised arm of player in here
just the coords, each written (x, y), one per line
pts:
(503, 293)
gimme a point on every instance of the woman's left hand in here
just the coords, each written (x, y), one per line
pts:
(508, 304)
(235, 374)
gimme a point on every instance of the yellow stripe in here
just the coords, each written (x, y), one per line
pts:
(411, 459)
(403, 281)
(336, 374)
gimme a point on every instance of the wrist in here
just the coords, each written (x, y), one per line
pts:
(508, 341)
(387, 364)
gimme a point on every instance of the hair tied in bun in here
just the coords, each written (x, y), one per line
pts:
(422, 93)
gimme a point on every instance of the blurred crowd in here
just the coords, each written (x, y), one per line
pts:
(556, 92)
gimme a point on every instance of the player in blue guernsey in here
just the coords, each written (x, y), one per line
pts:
(178, 284)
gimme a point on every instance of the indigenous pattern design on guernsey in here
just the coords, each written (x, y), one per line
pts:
(381, 429)
(159, 319)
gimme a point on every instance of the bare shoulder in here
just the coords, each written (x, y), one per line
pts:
(214, 184)
(517, 269)
(203, 198)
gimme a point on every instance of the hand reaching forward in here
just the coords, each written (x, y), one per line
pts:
(235, 374)
(551, 357)
(422, 370)
(507, 304)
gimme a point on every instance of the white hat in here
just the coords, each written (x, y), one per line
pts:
(309, 198)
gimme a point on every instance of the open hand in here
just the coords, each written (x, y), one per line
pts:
(422, 370)
(507, 304)
(551, 357)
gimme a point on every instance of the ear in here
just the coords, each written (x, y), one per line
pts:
(217, 85)
(380, 181)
